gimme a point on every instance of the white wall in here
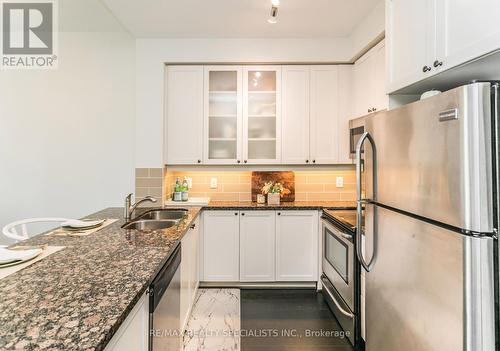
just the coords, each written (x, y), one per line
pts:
(66, 135)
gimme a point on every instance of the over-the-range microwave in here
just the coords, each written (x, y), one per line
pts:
(356, 130)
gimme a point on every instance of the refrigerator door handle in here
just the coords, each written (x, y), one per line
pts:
(360, 201)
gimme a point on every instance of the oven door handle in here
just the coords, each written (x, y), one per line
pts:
(344, 312)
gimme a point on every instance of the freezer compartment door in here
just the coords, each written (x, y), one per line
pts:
(435, 158)
(429, 289)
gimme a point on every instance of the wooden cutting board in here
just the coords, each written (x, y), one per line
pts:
(287, 178)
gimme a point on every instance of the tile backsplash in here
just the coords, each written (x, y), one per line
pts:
(235, 185)
(149, 181)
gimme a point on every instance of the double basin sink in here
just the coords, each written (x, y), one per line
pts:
(157, 219)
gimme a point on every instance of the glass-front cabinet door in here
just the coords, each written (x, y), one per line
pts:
(223, 115)
(261, 114)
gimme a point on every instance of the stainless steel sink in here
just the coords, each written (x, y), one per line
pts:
(145, 224)
(164, 214)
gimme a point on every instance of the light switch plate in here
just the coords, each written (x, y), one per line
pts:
(339, 182)
(213, 183)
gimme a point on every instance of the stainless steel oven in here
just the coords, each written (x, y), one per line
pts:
(340, 279)
(356, 130)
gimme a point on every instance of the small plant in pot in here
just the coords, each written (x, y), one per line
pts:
(274, 192)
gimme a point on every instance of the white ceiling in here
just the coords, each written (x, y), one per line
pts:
(240, 18)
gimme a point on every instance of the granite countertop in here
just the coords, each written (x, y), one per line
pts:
(296, 205)
(76, 298)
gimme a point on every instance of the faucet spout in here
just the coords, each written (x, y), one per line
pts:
(130, 208)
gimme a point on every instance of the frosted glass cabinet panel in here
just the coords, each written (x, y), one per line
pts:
(261, 114)
(222, 115)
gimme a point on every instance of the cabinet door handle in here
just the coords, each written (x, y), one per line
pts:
(307, 161)
(243, 214)
(314, 161)
(245, 161)
(279, 213)
(193, 225)
(438, 63)
(199, 161)
(236, 213)
(369, 110)
(426, 69)
(239, 161)
(374, 109)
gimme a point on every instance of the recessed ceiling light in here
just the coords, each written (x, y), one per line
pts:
(273, 18)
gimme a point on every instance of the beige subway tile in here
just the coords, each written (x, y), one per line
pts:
(236, 188)
(224, 197)
(148, 182)
(141, 192)
(156, 192)
(305, 188)
(229, 178)
(300, 178)
(142, 172)
(156, 172)
(323, 196)
(245, 178)
(348, 196)
(245, 197)
(198, 194)
(300, 196)
(320, 179)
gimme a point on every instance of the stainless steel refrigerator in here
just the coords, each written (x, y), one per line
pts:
(431, 200)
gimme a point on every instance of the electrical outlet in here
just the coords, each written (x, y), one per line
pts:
(190, 182)
(213, 183)
(339, 182)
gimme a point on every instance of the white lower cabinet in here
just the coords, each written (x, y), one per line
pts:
(296, 246)
(189, 272)
(134, 331)
(221, 246)
(257, 246)
(260, 246)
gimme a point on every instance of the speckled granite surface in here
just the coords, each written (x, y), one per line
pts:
(297, 205)
(76, 299)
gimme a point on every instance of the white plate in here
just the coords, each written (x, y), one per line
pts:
(11, 257)
(81, 224)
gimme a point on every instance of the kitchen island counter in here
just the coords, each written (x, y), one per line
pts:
(77, 298)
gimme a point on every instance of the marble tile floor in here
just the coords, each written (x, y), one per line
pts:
(215, 320)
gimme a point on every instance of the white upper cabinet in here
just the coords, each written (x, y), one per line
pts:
(428, 36)
(257, 246)
(243, 115)
(261, 114)
(310, 115)
(295, 107)
(324, 115)
(369, 82)
(407, 31)
(223, 115)
(466, 29)
(184, 110)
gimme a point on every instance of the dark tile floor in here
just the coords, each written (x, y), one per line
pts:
(285, 319)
